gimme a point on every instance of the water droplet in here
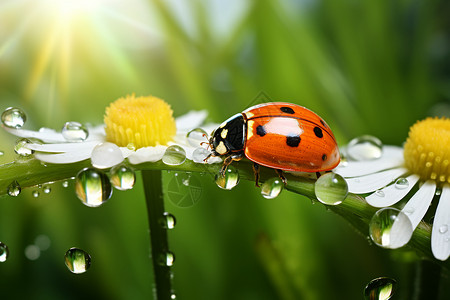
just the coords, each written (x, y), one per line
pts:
(131, 146)
(382, 288)
(74, 132)
(402, 183)
(65, 183)
(47, 189)
(272, 187)
(42, 241)
(2, 153)
(196, 136)
(92, 187)
(229, 180)
(35, 194)
(184, 190)
(122, 177)
(32, 252)
(438, 191)
(174, 156)
(443, 228)
(21, 149)
(4, 252)
(331, 189)
(390, 228)
(168, 221)
(199, 155)
(77, 261)
(13, 117)
(365, 147)
(173, 296)
(14, 189)
(167, 259)
(106, 155)
(380, 193)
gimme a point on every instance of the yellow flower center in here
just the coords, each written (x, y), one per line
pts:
(139, 122)
(427, 149)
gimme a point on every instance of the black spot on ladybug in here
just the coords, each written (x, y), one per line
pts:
(318, 132)
(287, 110)
(260, 130)
(324, 157)
(292, 140)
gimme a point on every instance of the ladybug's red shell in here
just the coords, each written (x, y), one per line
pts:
(278, 135)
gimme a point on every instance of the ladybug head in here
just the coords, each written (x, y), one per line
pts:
(229, 136)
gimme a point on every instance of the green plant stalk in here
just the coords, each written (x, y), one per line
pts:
(354, 209)
(158, 233)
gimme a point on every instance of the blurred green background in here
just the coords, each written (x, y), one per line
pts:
(367, 67)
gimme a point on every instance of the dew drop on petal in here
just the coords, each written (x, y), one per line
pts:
(131, 146)
(365, 147)
(271, 188)
(74, 132)
(21, 149)
(196, 136)
(14, 189)
(199, 155)
(106, 155)
(402, 183)
(168, 221)
(229, 180)
(443, 228)
(4, 252)
(77, 260)
(174, 156)
(166, 259)
(92, 187)
(382, 288)
(13, 117)
(122, 177)
(390, 228)
(379, 193)
(331, 189)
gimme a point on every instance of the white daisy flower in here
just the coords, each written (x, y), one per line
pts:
(422, 165)
(137, 128)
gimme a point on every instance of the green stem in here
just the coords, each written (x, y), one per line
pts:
(428, 275)
(354, 209)
(158, 234)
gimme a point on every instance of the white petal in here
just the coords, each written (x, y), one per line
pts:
(391, 194)
(191, 120)
(96, 133)
(440, 234)
(62, 147)
(47, 136)
(392, 157)
(126, 152)
(147, 154)
(401, 231)
(373, 182)
(418, 205)
(64, 158)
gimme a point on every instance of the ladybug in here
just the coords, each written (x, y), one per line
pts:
(282, 136)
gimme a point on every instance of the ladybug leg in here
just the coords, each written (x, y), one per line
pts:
(256, 172)
(318, 175)
(280, 174)
(228, 160)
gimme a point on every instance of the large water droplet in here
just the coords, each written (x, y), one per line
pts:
(77, 261)
(74, 132)
(174, 155)
(21, 147)
(272, 187)
(106, 155)
(122, 177)
(390, 228)
(14, 189)
(196, 136)
(382, 288)
(365, 147)
(331, 189)
(199, 155)
(229, 180)
(166, 259)
(402, 183)
(92, 187)
(168, 221)
(4, 252)
(13, 118)
(184, 190)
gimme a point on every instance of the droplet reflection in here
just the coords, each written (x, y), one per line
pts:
(174, 156)
(122, 177)
(92, 187)
(4, 252)
(74, 132)
(365, 147)
(382, 288)
(229, 180)
(331, 189)
(13, 117)
(77, 261)
(390, 228)
(272, 187)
